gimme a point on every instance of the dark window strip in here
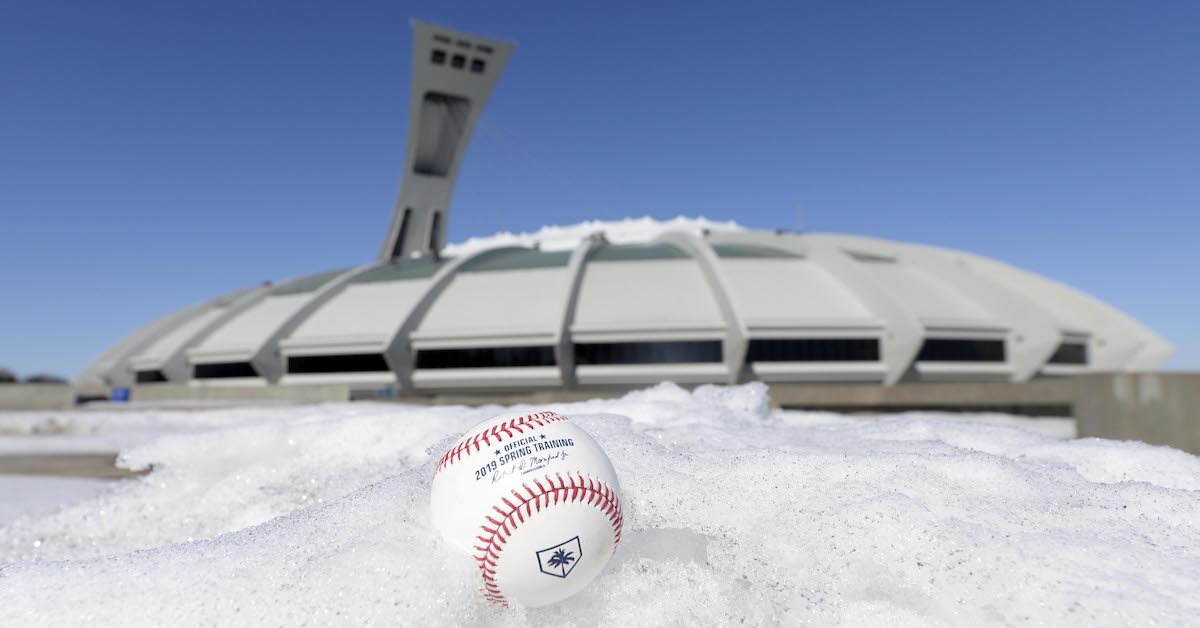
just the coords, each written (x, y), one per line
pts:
(485, 357)
(224, 370)
(347, 363)
(1070, 353)
(147, 377)
(955, 350)
(673, 352)
(813, 350)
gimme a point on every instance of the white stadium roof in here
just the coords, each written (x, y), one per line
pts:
(675, 301)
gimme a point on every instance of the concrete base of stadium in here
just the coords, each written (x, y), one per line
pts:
(301, 394)
(36, 396)
(1157, 408)
(1039, 397)
(1047, 397)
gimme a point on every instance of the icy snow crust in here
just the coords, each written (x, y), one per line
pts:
(565, 238)
(319, 515)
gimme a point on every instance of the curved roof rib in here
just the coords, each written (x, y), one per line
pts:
(737, 337)
(168, 353)
(903, 333)
(564, 343)
(399, 351)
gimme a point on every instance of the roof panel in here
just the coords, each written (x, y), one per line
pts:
(499, 303)
(924, 296)
(254, 326)
(656, 293)
(171, 342)
(790, 292)
(370, 309)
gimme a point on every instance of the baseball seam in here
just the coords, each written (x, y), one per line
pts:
(512, 511)
(496, 434)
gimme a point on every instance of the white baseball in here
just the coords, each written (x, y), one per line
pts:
(535, 500)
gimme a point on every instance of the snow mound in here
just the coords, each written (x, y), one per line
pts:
(564, 238)
(734, 514)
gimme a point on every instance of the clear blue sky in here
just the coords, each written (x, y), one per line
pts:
(155, 154)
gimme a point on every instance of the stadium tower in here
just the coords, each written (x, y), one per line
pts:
(452, 76)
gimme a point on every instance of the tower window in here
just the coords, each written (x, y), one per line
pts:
(438, 56)
(484, 49)
(458, 61)
(477, 66)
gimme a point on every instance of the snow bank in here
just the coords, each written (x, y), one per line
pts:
(30, 495)
(318, 515)
(563, 238)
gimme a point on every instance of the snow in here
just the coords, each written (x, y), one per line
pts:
(33, 495)
(565, 238)
(734, 513)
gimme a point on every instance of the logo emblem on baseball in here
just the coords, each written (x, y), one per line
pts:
(535, 500)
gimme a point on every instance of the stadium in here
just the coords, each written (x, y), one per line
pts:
(690, 301)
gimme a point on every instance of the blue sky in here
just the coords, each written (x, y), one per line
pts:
(156, 154)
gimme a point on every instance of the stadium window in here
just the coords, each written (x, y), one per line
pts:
(1070, 353)
(457, 62)
(224, 370)
(485, 357)
(667, 352)
(961, 350)
(149, 377)
(347, 363)
(813, 350)
(477, 66)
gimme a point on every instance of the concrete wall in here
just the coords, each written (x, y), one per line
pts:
(1158, 408)
(167, 392)
(1045, 397)
(36, 396)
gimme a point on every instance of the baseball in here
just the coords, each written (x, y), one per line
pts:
(536, 502)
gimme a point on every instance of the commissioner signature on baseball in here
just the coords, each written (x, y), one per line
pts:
(528, 465)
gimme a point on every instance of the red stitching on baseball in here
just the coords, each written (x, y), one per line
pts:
(499, 433)
(496, 533)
